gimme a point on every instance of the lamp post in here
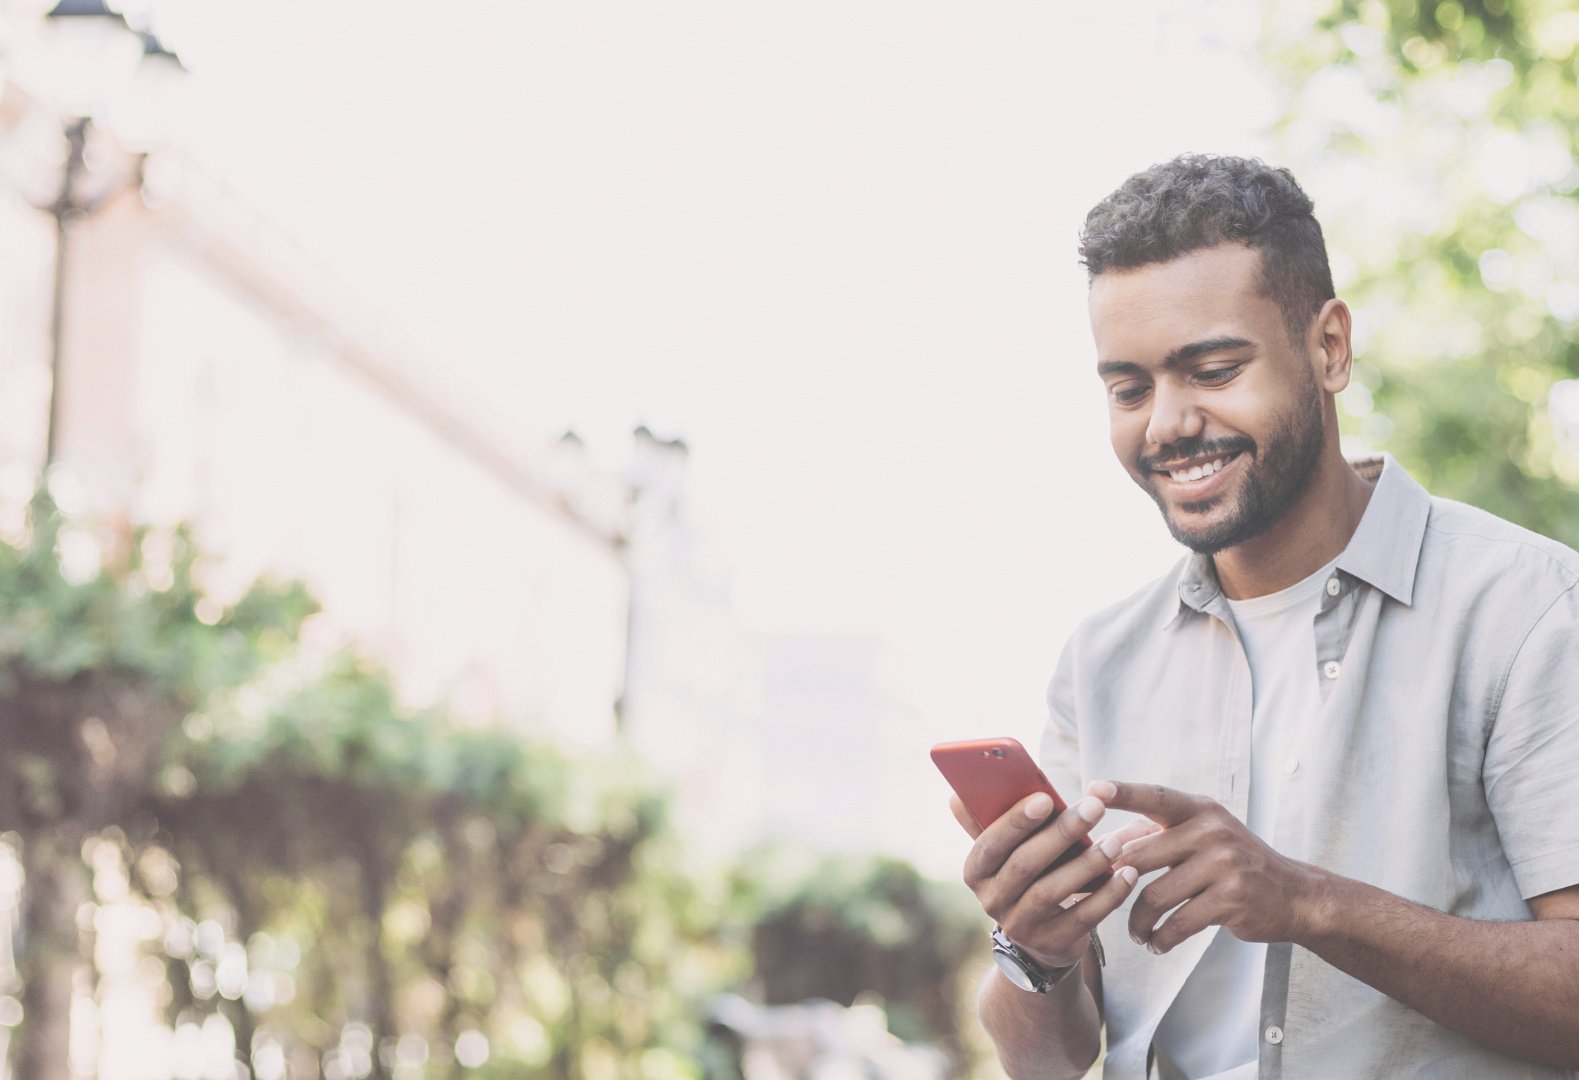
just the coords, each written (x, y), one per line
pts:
(95, 55)
(92, 55)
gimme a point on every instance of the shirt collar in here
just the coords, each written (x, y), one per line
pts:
(1197, 587)
(1383, 552)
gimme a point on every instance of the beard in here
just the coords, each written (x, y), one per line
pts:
(1275, 477)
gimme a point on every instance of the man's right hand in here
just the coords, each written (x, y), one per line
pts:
(1010, 869)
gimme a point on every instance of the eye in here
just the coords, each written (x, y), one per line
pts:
(1128, 393)
(1217, 376)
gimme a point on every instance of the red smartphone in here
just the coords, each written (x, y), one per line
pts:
(991, 775)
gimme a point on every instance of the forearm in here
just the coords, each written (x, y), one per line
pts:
(1511, 986)
(1043, 1036)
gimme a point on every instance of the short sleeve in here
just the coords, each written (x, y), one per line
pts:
(1060, 749)
(1531, 767)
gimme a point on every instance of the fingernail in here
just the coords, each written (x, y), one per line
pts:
(1108, 846)
(1128, 875)
(1103, 789)
(1090, 809)
(1137, 939)
(1038, 806)
(1151, 947)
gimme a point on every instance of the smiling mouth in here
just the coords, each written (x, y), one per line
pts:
(1192, 472)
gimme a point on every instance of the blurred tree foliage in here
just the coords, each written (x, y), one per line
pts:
(105, 645)
(1439, 139)
(357, 888)
(254, 834)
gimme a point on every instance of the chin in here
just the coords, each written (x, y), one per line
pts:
(1203, 533)
(1200, 541)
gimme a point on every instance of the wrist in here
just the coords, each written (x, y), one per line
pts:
(1318, 911)
(1023, 968)
(1031, 972)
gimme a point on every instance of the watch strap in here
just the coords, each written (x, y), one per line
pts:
(1025, 972)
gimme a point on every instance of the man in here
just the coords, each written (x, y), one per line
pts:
(1336, 750)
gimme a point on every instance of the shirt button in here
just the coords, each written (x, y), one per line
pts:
(1292, 766)
(1274, 1034)
(1331, 668)
(1332, 586)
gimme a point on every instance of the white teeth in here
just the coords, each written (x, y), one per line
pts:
(1197, 472)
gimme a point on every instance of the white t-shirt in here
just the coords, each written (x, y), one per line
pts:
(1212, 1029)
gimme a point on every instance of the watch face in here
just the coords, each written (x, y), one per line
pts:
(1014, 970)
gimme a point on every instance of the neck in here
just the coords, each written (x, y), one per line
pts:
(1313, 532)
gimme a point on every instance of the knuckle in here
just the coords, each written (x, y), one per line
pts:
(1043, 896)
(1220, 830)
(1019, 864)
(1235, 890)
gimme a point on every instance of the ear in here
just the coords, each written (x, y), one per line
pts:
(1332, 348)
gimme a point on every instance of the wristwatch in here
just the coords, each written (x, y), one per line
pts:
(1026, 973)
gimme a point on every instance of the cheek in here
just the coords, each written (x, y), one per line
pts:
(1127, 434)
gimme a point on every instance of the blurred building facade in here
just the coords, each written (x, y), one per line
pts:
(209, 373)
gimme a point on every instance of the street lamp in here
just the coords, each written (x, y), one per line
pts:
(96, 56)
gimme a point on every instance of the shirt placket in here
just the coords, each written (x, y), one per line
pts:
(1232, 787)
(1333, 625)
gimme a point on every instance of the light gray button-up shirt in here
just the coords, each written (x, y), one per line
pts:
(1444, 766)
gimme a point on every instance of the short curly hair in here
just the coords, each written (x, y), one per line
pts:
(1199, 201)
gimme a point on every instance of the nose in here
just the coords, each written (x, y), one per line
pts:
(1174, 415)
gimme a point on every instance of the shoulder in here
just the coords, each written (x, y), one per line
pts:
(1124, 624)
(1466, 545)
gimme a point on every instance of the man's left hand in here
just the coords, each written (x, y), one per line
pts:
(1217, 872)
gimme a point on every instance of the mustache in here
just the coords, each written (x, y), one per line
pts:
(1191, 448)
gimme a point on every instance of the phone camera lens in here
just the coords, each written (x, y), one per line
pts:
(996, 752)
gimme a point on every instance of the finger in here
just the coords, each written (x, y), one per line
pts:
(1164, 893)
(1063, 940)
(1164, 805)
(1135, 830)
(1057, 841)
(1074, 880)
(1000, 873)
(1187, 920)
(1100, 857)
(1003, 837)
(966, 820)
(1159, 849)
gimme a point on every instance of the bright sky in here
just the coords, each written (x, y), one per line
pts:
(831, 243)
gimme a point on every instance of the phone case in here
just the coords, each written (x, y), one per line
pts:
(991, 775)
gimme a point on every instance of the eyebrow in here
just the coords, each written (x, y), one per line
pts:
(1182, 355)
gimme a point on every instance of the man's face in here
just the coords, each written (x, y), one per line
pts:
(1213, 412)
